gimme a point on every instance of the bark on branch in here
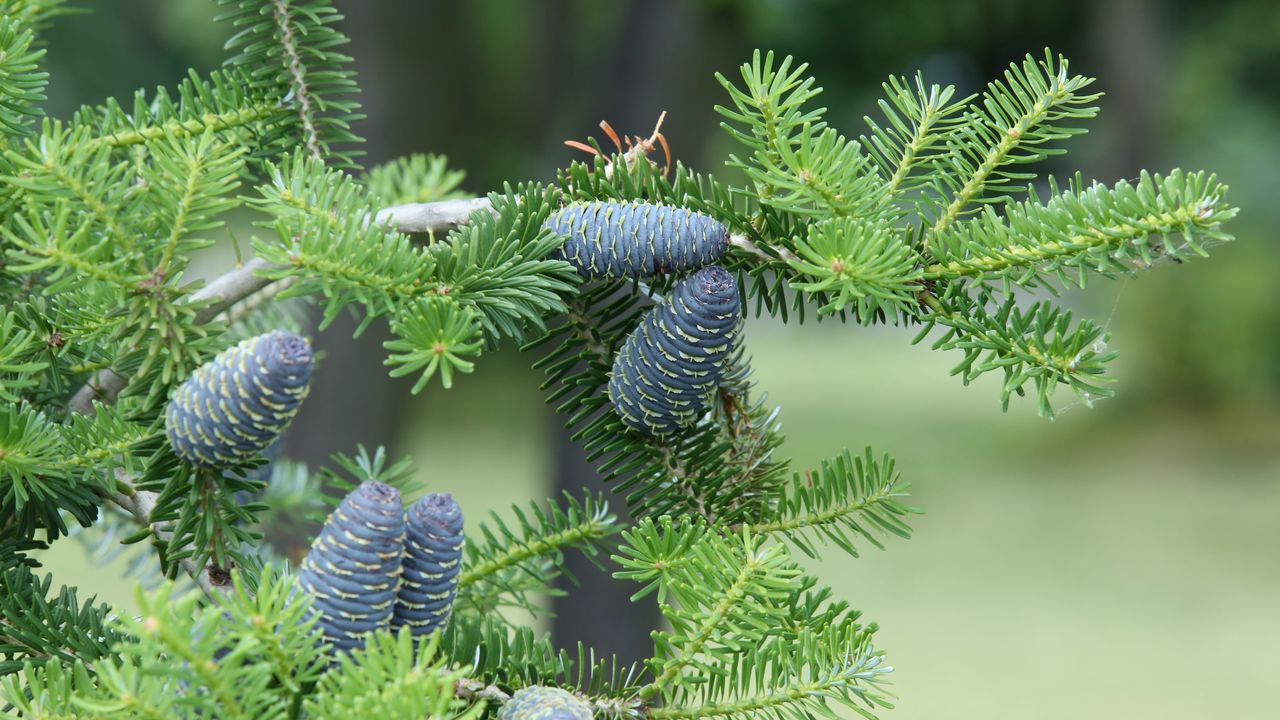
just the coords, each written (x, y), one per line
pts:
(242, 281)
(212, 580)
(223, 292)
(423, 218)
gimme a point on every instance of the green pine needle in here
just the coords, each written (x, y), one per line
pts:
(22, 83)
(433, 333)
(415, 178)
(1106, 231)
(860, 263)
(510, 562)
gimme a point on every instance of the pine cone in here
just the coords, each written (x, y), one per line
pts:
(538, 702)
(353, 568)
(432, 559)
(235, 405)
(675, 357)
(635, 239)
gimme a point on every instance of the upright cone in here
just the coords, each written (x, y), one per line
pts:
(353, 568)
(432, 559)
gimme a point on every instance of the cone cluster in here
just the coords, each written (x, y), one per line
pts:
(373, 566)
(636, 239)
(668, 368)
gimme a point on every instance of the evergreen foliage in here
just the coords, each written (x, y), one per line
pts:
(290, 46)
(40, 628)
(932, 219)
(415, 178)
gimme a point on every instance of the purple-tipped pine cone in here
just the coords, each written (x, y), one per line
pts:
(353, 568)
(636, 239)
(538, 702)
(432, 559)
(234, 406)
(668, 366)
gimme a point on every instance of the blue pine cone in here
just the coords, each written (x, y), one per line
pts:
(432, 559)
(353, 568)
(635, 239)
(664, 374)
(538, 702)
(234, 406)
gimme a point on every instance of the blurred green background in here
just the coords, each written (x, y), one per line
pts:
(1121, 561)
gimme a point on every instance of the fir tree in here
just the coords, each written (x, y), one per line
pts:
(931, 219)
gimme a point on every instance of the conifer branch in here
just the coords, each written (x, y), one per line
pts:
(1023, 114)
(288, 50)
(1087, 238)
(415, 178)
(36, 14)
(773, 703)
(141, 504)
(215, 121)
(505, 561)
(302, 95)
(1039, 345)
(828, 516)
(1104, 230)
(231, 702)
(41, 626)
(589, 530)
(238, 283)
(912, 223)
(220, 294)
(730, 597)
(726, 593)
(792, 675)
(918, 121)
(96, 205)
(848, 497)
(216, 297)
(22, 83)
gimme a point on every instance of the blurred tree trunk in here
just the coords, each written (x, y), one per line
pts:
(1126, 37)
(597, 611)
(352, 400)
